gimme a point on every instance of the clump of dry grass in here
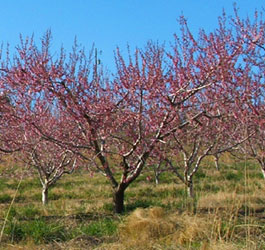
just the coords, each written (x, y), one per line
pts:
(146, 224)
(192, 228)
(154, 229)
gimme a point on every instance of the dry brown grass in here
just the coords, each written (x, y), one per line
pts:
(220, 199)
(143, 229)
(146, 224)
(154, 229)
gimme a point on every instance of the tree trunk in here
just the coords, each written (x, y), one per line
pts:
(216, 161)
(263, 171)
(157, 174)
(118, 200)
(45, 195)
(190, 188)
(191, 202)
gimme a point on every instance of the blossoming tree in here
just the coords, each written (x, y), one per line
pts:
(155, 94)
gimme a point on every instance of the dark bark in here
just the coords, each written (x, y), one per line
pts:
(118, 199)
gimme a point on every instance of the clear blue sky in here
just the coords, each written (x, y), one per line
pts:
(110, 23)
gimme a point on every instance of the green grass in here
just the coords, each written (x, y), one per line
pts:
(29, 212)
(29, 184)
(37, 230)
(143, 203)
(209, 187)
(3, 184)
(80, 210)
(5, 198)
(234, 176)
(100, 228)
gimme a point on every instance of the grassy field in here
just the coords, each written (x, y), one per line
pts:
(227, 213)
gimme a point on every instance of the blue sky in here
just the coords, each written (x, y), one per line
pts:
(110, 23)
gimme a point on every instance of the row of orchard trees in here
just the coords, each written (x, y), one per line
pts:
(203, 96)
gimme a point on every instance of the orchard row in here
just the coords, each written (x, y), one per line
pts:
(164, 107)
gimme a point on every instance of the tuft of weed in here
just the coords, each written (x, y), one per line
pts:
(14, 232)
(210, 188)
(3, 184)
(180, 192)
(29, 184)
(146, 191)
(108, 207)
(5, 198)
(234, 176)
(144, 203)
(100, 228)
(12, 213)
(38, 231)
(36, 196)
(256, 175)
(65, 185)
(199, 175)
(13, 185)
(29, 212)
